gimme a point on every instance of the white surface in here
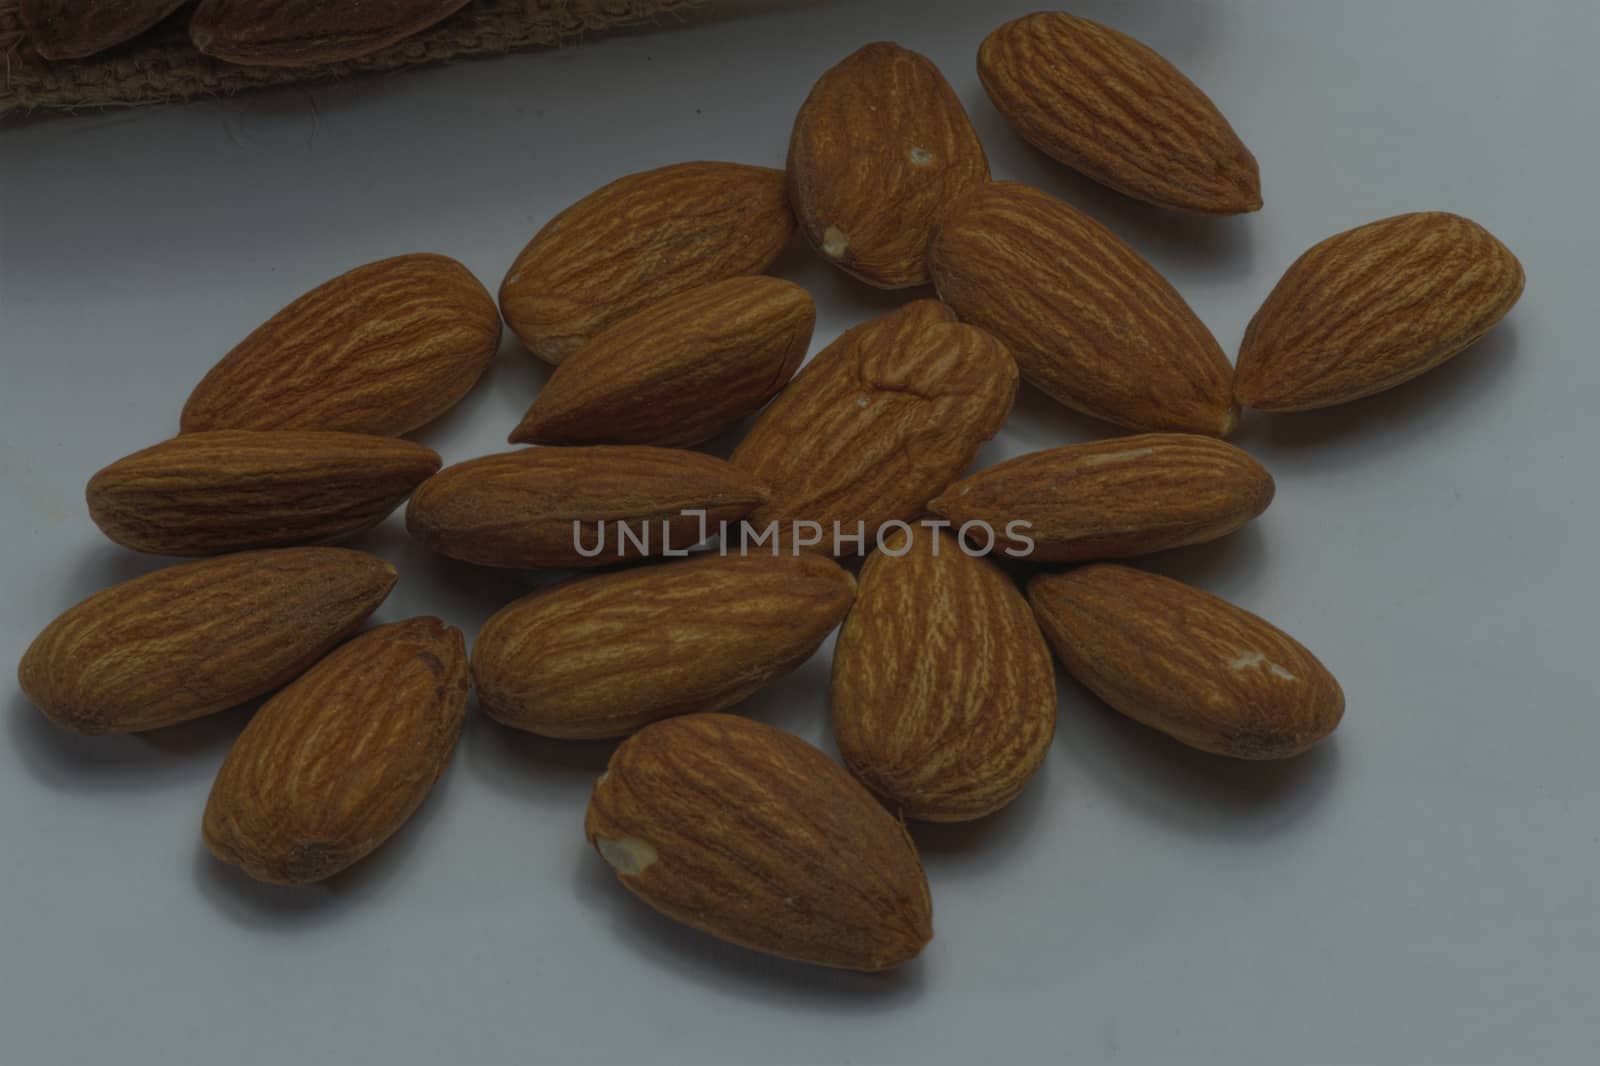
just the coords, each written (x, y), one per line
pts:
(1419, 890)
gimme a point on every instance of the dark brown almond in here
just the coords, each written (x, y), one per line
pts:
(306, 33)
(73, 29)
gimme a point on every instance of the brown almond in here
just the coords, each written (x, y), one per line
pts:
(1115, 110)
(636, 242)
(680, 371)
(878, 423)
(329, 768)
(752, 835)
(204, 493)
(881, 144)
(944, 695)
(1110, 499)
(1373, 307)
(73, 29)
(197, 638)
(1207, 673)
(578, 507)
(604, 656)
(1087, 319)
(306, 33)
(385, 348)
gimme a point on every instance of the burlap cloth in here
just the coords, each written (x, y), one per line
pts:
(162, 65)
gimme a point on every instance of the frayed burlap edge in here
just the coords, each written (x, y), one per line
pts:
(162, 66)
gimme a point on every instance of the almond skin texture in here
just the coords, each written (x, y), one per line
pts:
(1207, 673)
(879, 147)
(1373, 307)
(332, 766)
(1087, 319)
(1110, 499)
(536, 506)
(636, 242)
(198, 638)
(231, 490)
(73, 29)
(1114, 110)
(605, 656)
(944, 695)
(752, 835)
(680, 371)
(304, 33)
(385, 348)
(879, 422)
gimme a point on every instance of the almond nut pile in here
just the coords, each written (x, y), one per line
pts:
(650, 299)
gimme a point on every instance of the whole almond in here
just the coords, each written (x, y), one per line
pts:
(636, 242)
(878, 423)
(329, 768)
(230, 490)
(1374, 307)
(305, 33)
(680, 371)
(197, 638)
(1087, 319)
(73, 29)
(881, 144)
(752, 835)
(578, 507)
(1110, 499)
(385, 348)
(604, 656)
(1211, 675)
(1116, 111)
(944, 695)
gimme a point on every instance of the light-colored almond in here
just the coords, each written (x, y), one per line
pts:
(754, 836)
(306, 33)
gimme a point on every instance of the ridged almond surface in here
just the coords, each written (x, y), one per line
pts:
(881, 144)
(535, 507)
(1373, 307)
(636, 242)
(197, 638)
(1115, 110)
(754, 836)
(329, 768)
(204, 493)
(680, 371)
(1177, 659)
(879, 422)
(303, 33)
(1088, 320)
(384, 348)
(944, 695)
(1109, 499)
(73, 29)
(604, 656)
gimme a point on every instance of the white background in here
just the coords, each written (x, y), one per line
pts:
(1421, 889)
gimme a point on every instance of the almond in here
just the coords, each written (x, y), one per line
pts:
(879, 147)
(1109, 499)
(578, 507)
(385, 348)
(680, 371)
(944, 695)
(329, 768)
(305, 33)
(73, 29)
(234, 489)
(879, 422)
(1114, 110)
(752, 835)
(197, 638)
(1373, 307)
(604, 656)
(1207, 673)
(636, 242)
(1089, 322)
